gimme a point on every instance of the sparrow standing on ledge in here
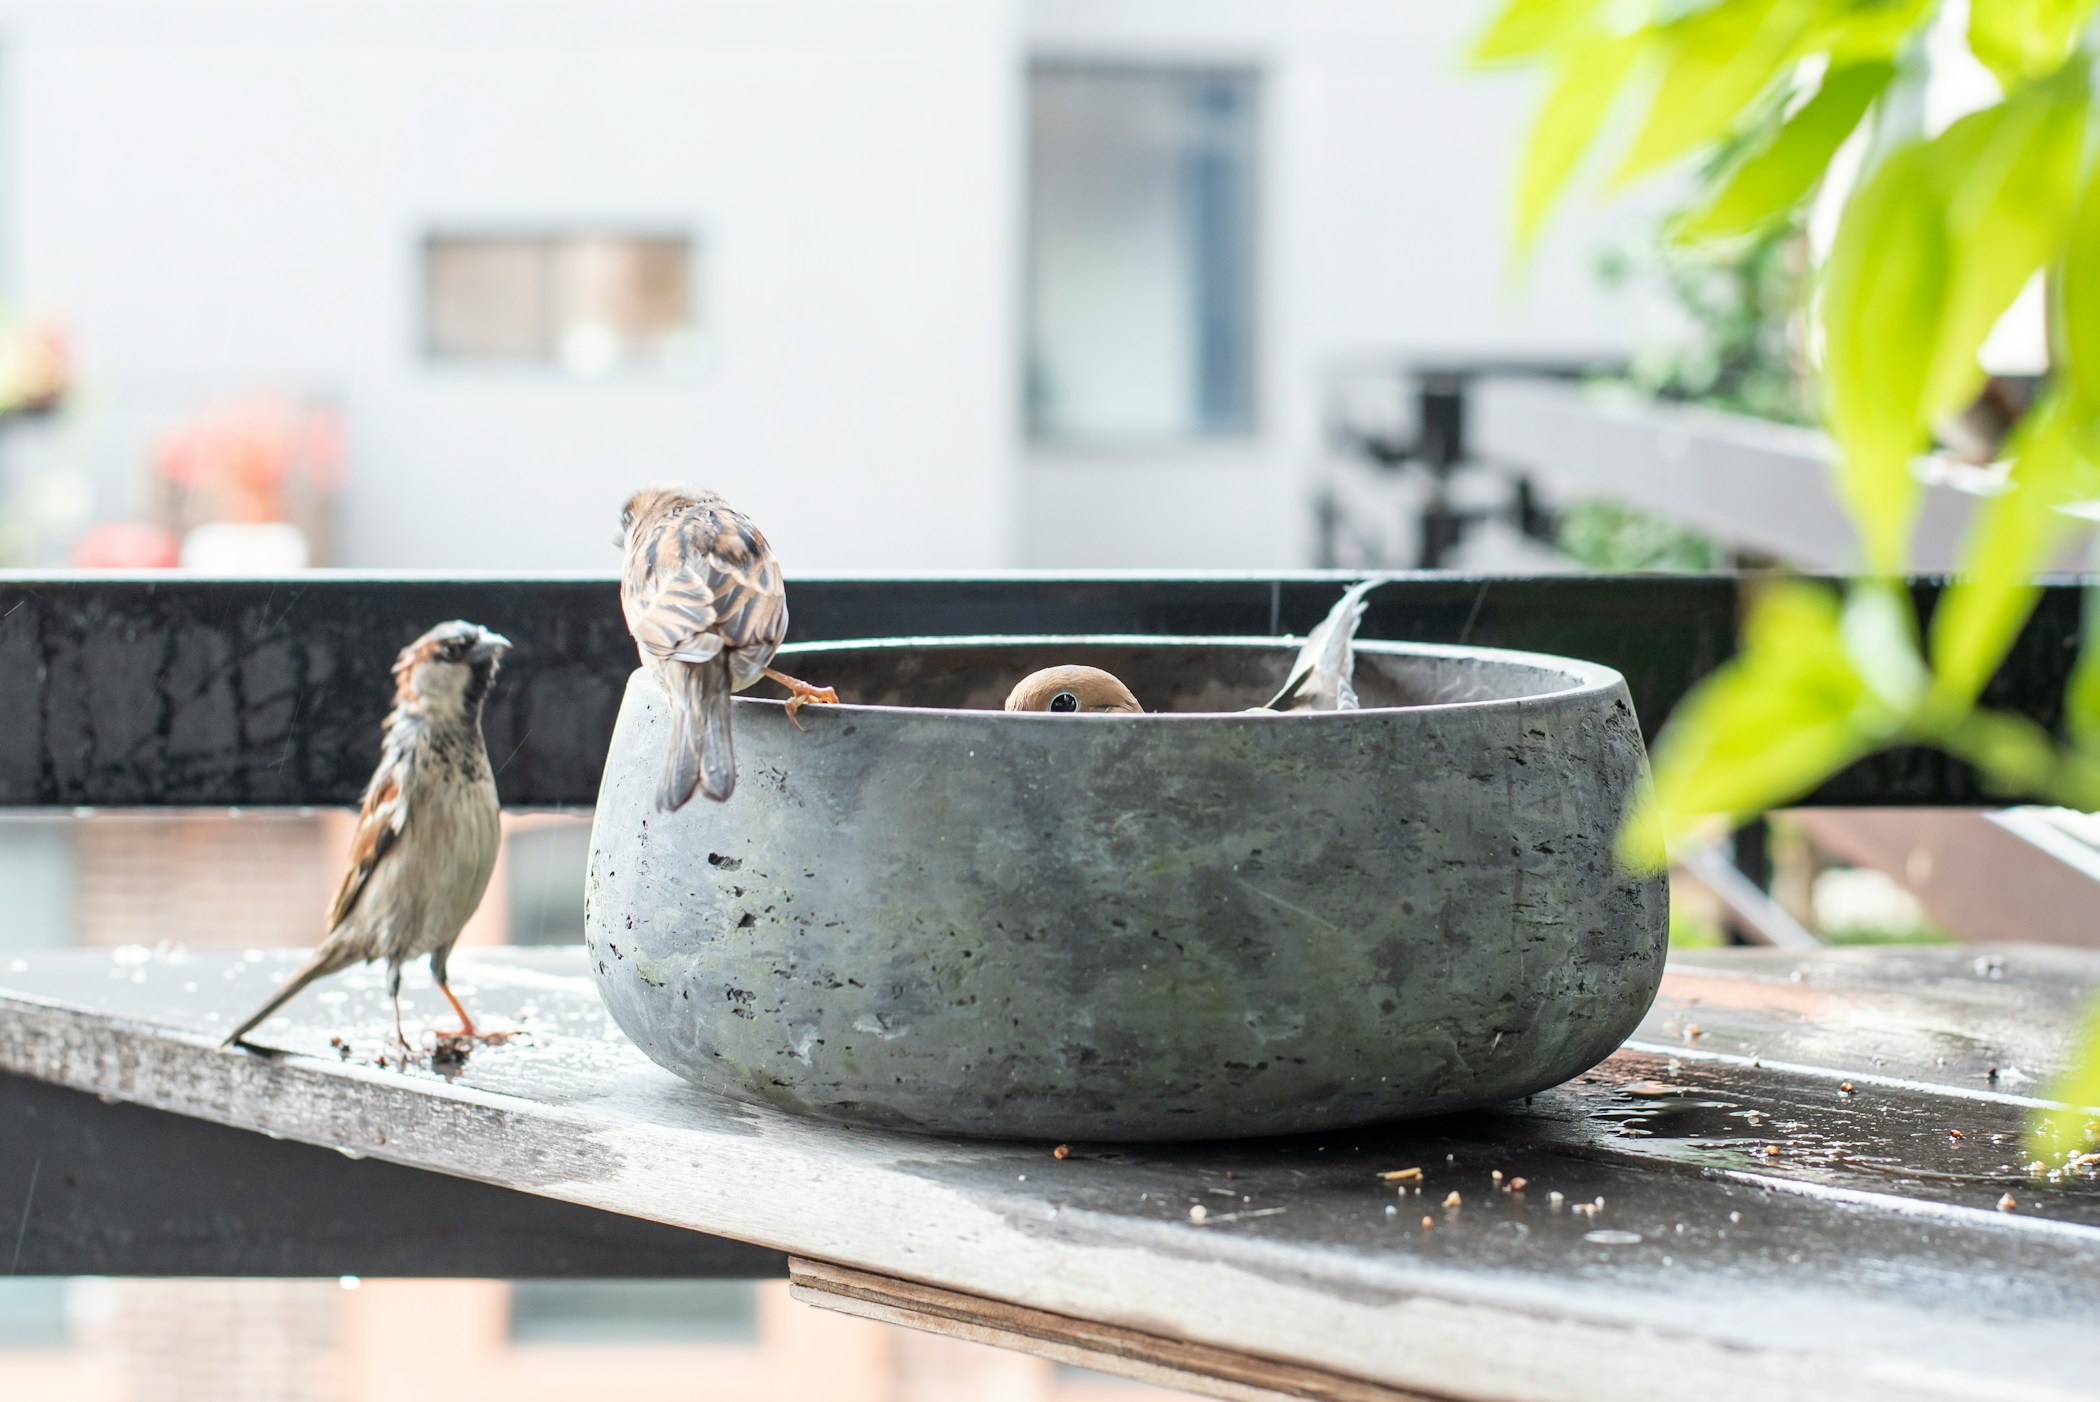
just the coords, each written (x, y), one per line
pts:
(704, 600)
(426, 836)
(1071, 689)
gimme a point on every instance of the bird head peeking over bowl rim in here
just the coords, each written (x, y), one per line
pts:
(1072, 689)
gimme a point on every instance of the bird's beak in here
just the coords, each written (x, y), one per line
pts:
(491, 645)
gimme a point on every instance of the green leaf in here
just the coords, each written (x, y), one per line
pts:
(1930, 252)
(2010, 174)
(1592, 73)
(2022, 39)
(2082, 695)
(1530, 28)
(1719, 61)
(1772, 182)
(2068, 1129)
(2078, 305)
(1787, 712)
(1884, 284)
(1866, 30)
(2015, 535)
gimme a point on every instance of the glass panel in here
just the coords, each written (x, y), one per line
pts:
(547, 857)
(33, 1312)
(1142, 215)
(633, 1312)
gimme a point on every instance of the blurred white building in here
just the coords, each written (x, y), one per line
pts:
(919, 283)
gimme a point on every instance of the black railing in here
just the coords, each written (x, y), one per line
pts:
(176, 691)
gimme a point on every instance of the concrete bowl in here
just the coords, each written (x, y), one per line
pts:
(921, 911)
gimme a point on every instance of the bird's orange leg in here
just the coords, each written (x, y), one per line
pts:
(466, 1027)
(801, 693)
(466, 1024)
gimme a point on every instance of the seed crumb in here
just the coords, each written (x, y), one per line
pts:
(1403, 1175)
(1691, 1032)
(1555, 1199)
(1771, 1151)
(1496, 1175)
(1954, 1134)
(1428, 1224)
(1198, 1212)
(1516, 1185)
(1064, 1151)
(1453, 1199)
(2006, 1203)
(1845, 1087)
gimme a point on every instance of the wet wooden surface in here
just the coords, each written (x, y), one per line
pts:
(1730, 1219)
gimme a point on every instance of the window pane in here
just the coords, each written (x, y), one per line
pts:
(1141, 255)
(589, 303)
(488, 299)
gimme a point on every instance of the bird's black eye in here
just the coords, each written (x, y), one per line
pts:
(1064, 701)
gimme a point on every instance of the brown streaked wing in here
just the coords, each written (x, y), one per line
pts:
(708, 581)
(379, 824)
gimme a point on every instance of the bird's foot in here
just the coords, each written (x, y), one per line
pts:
(491, 1037)
(801, 693)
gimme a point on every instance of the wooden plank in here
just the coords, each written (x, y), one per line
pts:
(1703, 1272)
(1986, 876)
(1141, 1357)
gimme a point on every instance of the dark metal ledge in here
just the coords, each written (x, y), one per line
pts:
(175, 691)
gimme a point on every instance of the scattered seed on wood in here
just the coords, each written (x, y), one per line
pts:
(1453, 1199)
(2006, 1203)
(1954, 1134)
(1403, 1175)
(1064, 1151)
(1771, 1151)
(1845, 1087)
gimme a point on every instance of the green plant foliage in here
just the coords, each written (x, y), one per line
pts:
(1790, 710)
(2020, 39)
(2078, 303)
(1936, 240)
(1616, 539)
(1529, 28)
(2069, 1128)
(1976, 623)
(1769, 185)
(1590, 78)
(1885, 286)
(1716, 63)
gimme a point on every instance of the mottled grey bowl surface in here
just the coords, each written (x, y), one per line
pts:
(1170, 926)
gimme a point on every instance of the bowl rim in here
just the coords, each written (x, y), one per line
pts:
(1584, 679)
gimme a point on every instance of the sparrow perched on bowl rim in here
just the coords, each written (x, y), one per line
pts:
(703, 597)
(427, 832)
(1071, 689)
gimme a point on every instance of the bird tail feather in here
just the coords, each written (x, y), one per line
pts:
(702, 756)
(322, 962)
